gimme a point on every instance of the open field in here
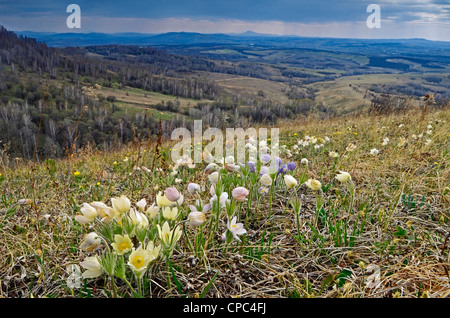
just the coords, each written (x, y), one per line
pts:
(382, 230)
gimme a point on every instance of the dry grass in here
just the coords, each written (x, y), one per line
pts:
(397, 224)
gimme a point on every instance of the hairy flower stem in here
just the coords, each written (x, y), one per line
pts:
(139, 283)
(114, 287)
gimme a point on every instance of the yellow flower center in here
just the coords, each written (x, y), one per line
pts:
(234, 225)
(123, 246)
(166, 236)
(138, 261)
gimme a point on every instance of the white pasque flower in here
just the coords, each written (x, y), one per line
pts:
(138, 218)
(343, 176)
(88, 214)
(290, 181)
(94, 269)
(196, 218)
(90, 242)
(236, 229)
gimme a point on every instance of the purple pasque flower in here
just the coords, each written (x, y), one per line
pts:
(265, 158)
(264, 170)
(252, 166)
(283, 169)
(292, 165)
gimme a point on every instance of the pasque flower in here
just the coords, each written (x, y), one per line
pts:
(313, 184)
(121, 205)
(223, 199)
(263, 190)
(214, 177)
(283, 169)
(90, 242)
(168, 237)
(240, 194)
(105, 212)
(266, 180)
(153, 250)
(343, 176)
(236, 229)
(196, 218)
(152, 211)
(138, 218)
(88, 214)
(304, 161)
(170, 213)
(290, 181)
(212, 167)
(172, 194)
(139, 259)
(265, 158)
(122, 244)
(92, 266)
(193, 187)
(162, 200)
(141, 204)
(292, 165)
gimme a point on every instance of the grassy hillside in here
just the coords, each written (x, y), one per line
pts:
(384, 233)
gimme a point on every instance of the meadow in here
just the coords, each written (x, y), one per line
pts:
(358, 207)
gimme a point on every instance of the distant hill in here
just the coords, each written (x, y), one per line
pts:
(365, 46)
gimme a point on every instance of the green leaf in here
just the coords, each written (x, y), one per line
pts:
(209, 285)
(342, 277)
(400, 231)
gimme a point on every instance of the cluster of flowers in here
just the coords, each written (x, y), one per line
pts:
(129, 233)
(132, 236)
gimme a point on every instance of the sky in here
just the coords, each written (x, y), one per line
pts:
(429, 19)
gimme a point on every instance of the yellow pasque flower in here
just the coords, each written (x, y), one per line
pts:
(170, 213)
(122, 244)
(76, 173)
(138, 218)
(121, 205)
(153, 250)
(139, 259)
(105, 212)
(168, 237)
(343, 176)
(313, 184)
(266, 180)
(162, 200)
(333, 154)
(152, 211)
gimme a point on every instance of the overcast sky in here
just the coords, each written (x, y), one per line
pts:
(347, 18)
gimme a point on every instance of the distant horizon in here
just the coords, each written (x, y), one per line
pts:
(350, 19)
(229, 34)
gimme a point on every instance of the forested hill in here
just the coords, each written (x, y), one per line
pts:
(71, 115)
(156, 73)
